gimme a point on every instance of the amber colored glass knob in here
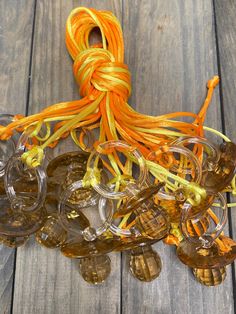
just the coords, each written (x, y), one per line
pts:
(210, 277)
(145, 263)
(13, 242)
(52, 234)
(96, 269)
(152, 224)
(171, 208)
(150, 220)
(144, 196)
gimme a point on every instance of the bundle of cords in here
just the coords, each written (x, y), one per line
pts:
(105, 87)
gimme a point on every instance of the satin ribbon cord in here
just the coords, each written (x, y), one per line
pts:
(105, 86)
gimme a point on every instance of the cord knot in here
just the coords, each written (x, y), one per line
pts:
(212, 83)
(34, 157)
(96, 68)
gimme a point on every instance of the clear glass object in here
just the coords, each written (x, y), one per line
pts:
(88, 209)
(218, 166)
(51, 234)
(65, 169)
(65, 199)
(16, 199)
(177, 160)
(150, 220)
(208, 151)
(208, 236)
(105, 149)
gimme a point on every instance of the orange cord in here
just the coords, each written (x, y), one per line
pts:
(105, 86)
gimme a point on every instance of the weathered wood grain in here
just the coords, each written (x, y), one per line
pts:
(45, 281)
(171, 52)
(226, 32)
(16, 20)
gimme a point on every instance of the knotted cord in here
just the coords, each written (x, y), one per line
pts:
(105, 87)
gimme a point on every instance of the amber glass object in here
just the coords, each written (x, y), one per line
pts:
(52, 234)
(79, 248)
(13, 242)
(65, 169)
(19, 223)
(197, 227)
(130, 243)
(210, 277)
(194, 256)
(145, 263)
(150, 220)
(96, 269)
(220, 173)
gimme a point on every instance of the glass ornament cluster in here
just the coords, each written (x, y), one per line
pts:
(88, 204)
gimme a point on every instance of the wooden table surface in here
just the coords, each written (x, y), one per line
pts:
(172, 48)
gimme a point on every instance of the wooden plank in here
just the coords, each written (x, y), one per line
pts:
(16, 20)
(47, 282)
(226, 33)
(170, 50)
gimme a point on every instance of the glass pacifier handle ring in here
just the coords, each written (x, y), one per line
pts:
(182, 151)
(211, 149)
(175, 149)
(134, 204)
(103, 189)
(15, 161)
(62, 214)
(113, 228)
(9, 185)
(205, 240)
